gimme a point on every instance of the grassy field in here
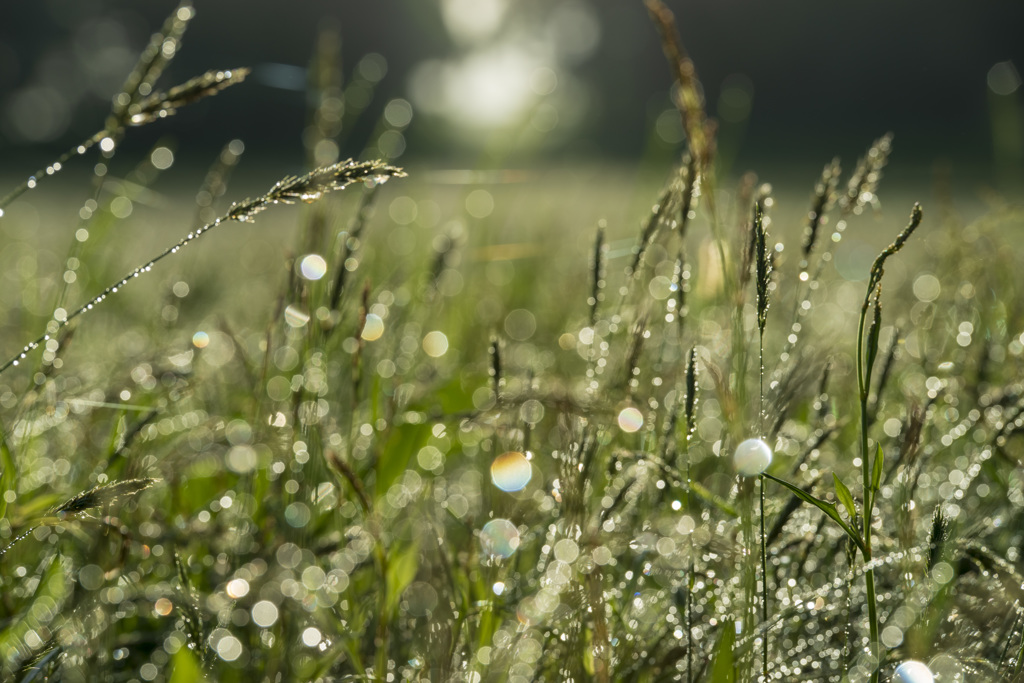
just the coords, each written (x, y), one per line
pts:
(485, 425)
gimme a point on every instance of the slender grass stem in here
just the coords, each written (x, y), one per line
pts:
(308, 188)
(33, 180)
(867, 350)
(764, 547)
(763, 263)
(863, 382)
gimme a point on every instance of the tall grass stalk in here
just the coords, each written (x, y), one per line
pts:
(763, 265)
(871, 468)
(309, 187)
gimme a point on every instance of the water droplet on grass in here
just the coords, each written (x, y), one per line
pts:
(752, 457)
(913, 672)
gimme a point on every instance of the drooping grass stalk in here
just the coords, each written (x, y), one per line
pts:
(77, 505)
(162, 47)
(137, 104)
(94, 218)
(309, 187)
(867, 350)
(763, 263)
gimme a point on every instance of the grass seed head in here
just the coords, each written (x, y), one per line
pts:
(105, 494)
(164, 104)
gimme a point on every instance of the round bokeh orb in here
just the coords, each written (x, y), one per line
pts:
(499, 538)
(630, 419)
(511, 471)
(912, 671)
(752, 457)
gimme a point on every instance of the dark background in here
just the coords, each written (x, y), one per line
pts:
(825, 77)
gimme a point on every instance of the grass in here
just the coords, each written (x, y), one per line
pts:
(468, 452)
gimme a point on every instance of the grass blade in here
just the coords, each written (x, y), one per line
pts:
(844, 495)
(828, 508)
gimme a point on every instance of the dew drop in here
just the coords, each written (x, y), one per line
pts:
(752, 457)
(913, 672)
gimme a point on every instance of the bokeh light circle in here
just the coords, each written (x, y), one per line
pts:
(264, 613)
(311, 636)
(499, 538)
(630, 419)
(313, 266)
(373, 328)
(435, 344)
(295, 316)
(237, 588)
(752, 457)
(511, 471)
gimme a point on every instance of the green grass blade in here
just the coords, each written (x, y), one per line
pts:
(713, 500)
(828, 508)
(404, 442)
(722, 671)
(185, 668)
(8, 474)
(402, 567)
(844, 495)
(877, 469)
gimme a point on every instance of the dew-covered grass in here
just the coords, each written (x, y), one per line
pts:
(504, 426)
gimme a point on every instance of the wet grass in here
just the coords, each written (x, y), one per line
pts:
(475, 434)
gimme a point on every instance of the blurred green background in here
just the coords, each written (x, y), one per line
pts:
(502, 81)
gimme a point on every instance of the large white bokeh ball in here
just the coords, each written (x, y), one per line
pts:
(913, 672)
(752, 457)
